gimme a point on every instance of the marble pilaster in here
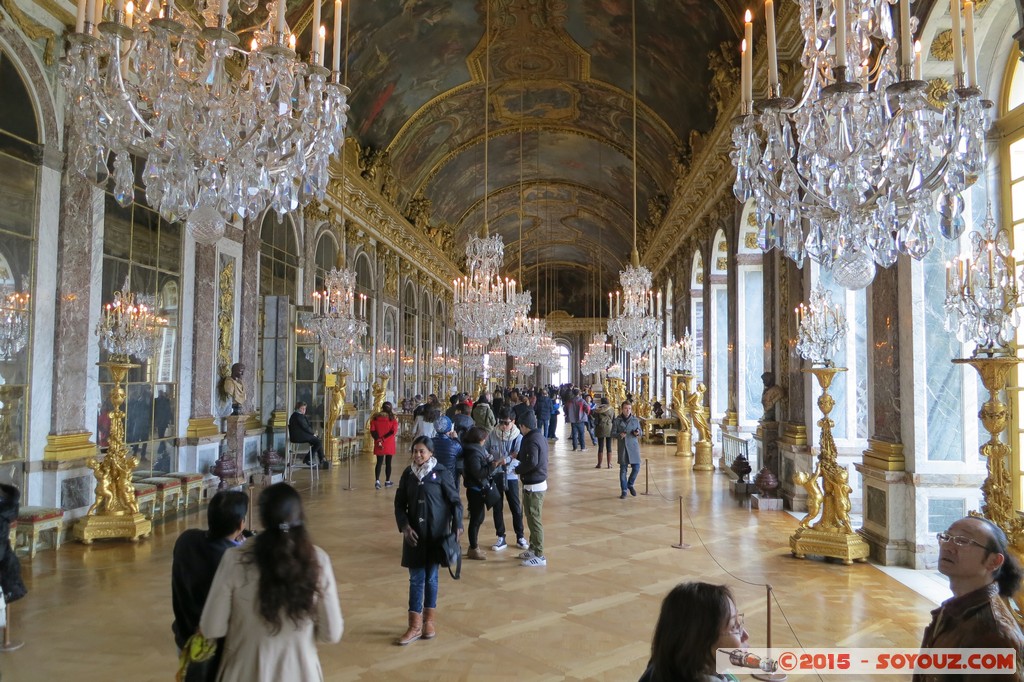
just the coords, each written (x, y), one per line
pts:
(204, 342)
(76, 397)
(247, 278)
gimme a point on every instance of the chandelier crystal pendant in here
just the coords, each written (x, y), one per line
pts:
(597, 356)
(15, 317)
(224, 131)
(523, 339)
(128, 326)
(339, 316)
(821, 327)
(678, 356)
(983, 293)
(849, 175)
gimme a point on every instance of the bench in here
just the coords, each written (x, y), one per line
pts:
(145, 496)
(167, 489)
(189, 482)
(34, 521)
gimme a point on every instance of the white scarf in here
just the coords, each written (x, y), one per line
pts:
(420, 471)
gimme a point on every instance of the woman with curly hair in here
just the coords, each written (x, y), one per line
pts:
(274, 598)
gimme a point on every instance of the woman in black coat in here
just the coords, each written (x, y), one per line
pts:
(478, 471)
(427, 509)
(10, 568)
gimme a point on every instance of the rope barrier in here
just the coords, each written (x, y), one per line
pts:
(10, 644)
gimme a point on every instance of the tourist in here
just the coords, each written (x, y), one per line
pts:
(10, 568)
(427, 509)
(197, 554)
(301, 431)
(696, 620)
(482, 414)
(274, 598)
(542, 408)
(576, 411)
(533, 471)
(384, 429)
(503, 444)
(447, 448)
(603, 415)
(588, 397)
(424, 423)
(556, 407)
(462, 422)
(983, 575)
(478, 473)
(626, 428)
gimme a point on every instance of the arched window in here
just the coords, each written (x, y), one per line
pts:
(719, 319)
(697, 316)
(325, 259)
(750, 322)
(426, 342)
(279, 257)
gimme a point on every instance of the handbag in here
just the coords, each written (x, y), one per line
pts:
(197, 650)
(490, 492)
(452, 555)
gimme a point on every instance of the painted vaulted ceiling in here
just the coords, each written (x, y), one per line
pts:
(557, 166)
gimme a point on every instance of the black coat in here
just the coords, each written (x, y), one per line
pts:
(478, 465)
(299, 428)
(533, 458)
(433, 508)
(10, 568)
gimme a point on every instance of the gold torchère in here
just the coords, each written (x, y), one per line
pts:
(701, 417)
(115, 513)
(644, 410)
(335, 410)
(616, 391)
(680, 392)
(831, 535)
(10, 446)
(480, 387)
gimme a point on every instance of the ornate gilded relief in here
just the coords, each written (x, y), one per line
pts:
(938, 92)
(942, 46)
(32, 28)
(225, 317)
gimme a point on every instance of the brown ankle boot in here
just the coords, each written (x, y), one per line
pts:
(415, 630)
(428, 624)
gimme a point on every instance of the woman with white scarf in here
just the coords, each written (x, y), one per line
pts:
(427, 508)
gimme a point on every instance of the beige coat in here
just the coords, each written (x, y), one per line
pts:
(252, 653)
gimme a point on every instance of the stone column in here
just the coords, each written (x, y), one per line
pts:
(204, 344)
(767, 435)
(248, 277)
(731, 422)
(794, 453)
(75, 350)
(886, 484)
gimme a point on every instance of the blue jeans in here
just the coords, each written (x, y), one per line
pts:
(552, 425)
(423, 588)
(632, 475)
(578, 430)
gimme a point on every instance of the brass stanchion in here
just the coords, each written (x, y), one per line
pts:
(769, 677)
(10, 644)
(647, 476)
(349, 460)
(681, 544)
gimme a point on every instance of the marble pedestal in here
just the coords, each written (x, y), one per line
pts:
(198, 454)
(242, 444)
(794, 458)
(758, 501)
(347, 427)
(767, 439)
(888, 515)
(704, 460)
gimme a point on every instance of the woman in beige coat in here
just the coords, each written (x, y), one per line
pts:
(273, 598)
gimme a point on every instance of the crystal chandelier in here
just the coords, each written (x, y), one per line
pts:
(408, 367)
(526, 333)
(615, 371)
(678, 356)
(849, 175)
(821, 327)
(597, 356)
(632, 323)
(224, 131)
(14, 321)
(128, 326)
(642, 364)
(983, 292)
(385, 360)
(339, 316)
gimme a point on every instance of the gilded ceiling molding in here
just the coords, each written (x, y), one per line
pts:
(314, 216)
(383, 223)
(32, 28)
(938, 92)
(560, 323)
(942, 46)
(706, 185)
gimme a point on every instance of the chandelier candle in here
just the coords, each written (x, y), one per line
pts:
(972, 66)
(906, 47)
(315, 29)
(747, 64)
(322, 43)
(773, 57)
(841, 34)
(80, 17)
(337, 36)
(958, 47)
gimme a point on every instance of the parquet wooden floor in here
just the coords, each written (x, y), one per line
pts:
(104, 612)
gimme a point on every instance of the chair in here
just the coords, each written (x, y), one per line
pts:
(167, 490)
(301, 451)
(33, 521)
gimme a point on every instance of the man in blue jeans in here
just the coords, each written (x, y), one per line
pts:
(576, 411)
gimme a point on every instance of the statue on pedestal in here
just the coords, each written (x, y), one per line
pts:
(695, 406)
(233, 388)
(772, 395)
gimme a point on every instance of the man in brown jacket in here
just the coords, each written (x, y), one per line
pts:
(982, 574)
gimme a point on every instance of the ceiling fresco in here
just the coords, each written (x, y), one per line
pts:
(560, 71)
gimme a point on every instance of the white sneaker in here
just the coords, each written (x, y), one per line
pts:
(523, 544)
(536, 561)
(499, 545)
(527, 555)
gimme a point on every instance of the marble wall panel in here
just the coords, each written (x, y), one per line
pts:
(76, 492)
(884, 360)
(248, 283)
(204, 339)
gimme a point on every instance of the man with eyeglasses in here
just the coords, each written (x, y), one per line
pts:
(503, 445)
(982, 574)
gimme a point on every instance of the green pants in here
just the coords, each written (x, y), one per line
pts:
(533, 503)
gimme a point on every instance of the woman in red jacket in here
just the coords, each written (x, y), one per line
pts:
(384, 429)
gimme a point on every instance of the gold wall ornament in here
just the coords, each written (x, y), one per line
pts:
(680, 403)
(938, 92)
(115, 513)
(32, 28)
(942, 46)
(702, 425)
(831, 535)
(225, 315)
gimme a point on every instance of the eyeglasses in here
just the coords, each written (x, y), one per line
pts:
(959, 540)
(504, 422)
(736, 625)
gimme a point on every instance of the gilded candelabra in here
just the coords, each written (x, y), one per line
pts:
(983, 297)
(616, 386)
(335, 409)
(127, 327)
(822, 327)
(643, 407)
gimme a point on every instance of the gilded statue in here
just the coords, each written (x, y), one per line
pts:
(104, 497)
(724, 76)
(809, 482)
(233, 388)
(772, 395)
(680, 406)
(418, 211)
(695, 405)
(836, 508)
(379, 389)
